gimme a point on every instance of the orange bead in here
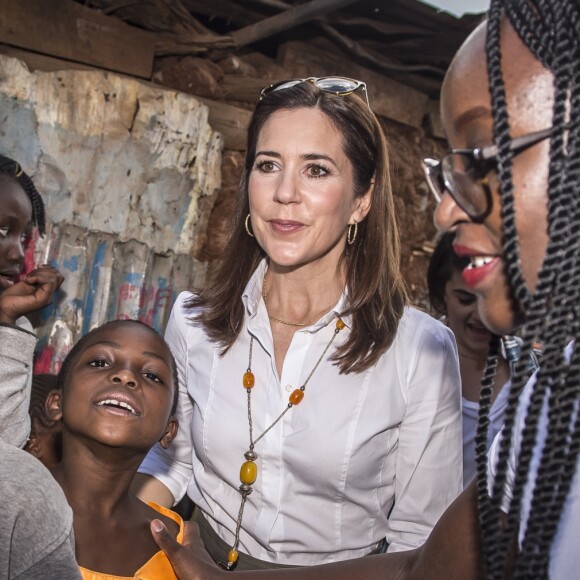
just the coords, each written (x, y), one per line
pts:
(296, 396)
(340, 324)
(248, 380)
(232, 556)
(248, 472)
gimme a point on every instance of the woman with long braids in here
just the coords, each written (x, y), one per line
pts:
(509, 190)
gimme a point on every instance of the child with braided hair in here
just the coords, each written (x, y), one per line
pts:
(509, 190)
(36, 538)
(21, 208)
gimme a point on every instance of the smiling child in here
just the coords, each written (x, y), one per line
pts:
(119, 393)
(21, 209)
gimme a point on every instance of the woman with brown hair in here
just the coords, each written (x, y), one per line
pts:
(301, 361)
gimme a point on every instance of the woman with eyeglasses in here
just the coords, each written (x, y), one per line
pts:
(518, 224)
(320, 415)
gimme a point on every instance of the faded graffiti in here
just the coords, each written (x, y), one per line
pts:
(105, 279)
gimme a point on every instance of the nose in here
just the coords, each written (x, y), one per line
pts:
(448, 213)
(15, 251)
(125, 377)
(287, 190)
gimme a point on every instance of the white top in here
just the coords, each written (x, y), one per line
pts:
(470, 410)
(564, 555)
(329, 472)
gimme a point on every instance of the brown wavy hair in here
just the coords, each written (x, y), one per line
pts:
(375, 287)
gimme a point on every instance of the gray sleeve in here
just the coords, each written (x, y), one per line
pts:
(37, 523)
(59, 564)
(16, 354)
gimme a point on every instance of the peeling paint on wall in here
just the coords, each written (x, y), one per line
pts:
(105, 279)
(121, 166)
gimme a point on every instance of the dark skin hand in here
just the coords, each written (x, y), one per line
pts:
(32, 293)
(452, 551)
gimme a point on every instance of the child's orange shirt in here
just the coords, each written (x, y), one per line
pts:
(156, 568)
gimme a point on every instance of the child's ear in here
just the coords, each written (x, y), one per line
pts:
(33, 447)
(170, 433)
(53, 405)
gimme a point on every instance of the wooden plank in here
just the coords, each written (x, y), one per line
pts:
(35, 61)
(285, 20)
(434, 123)
(232, 122)
(67, 30)
(387, 97)
(242, 88)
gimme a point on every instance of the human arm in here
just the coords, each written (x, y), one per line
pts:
(428, 473)
(452, 551)
(17, 343)
(164, 474)
(34, 292)
(16, 351)
(147, 488)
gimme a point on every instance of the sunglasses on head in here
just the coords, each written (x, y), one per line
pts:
(341, 86)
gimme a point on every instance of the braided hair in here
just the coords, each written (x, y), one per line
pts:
(12, 169)
(551, 31)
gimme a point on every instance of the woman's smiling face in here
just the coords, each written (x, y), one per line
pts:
(301, 190)
(467, 116)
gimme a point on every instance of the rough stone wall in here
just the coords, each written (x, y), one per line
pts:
(128, 172)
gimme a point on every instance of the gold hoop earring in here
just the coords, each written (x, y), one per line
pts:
(17, 170)
(351, 233)
(247, 223)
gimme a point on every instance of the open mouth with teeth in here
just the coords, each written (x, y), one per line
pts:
(7, 280)
(479, 262)
(116, 405)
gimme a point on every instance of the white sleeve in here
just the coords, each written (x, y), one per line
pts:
(173, 466)
(429, 467)
(514, 450)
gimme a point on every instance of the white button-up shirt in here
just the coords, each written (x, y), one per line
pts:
(363, 457)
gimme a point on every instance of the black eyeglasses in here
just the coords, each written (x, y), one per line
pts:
(463, 174)
(336, 85)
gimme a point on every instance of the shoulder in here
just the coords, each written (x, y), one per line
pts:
(36, 515)
(183, 314)
(24, 477)
(417, 326)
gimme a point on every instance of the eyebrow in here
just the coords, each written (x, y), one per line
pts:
(471, 115)
(305, 156)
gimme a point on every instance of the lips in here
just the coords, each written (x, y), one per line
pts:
(8, 279)
(284, 227)
(480, 266)
(118, 404)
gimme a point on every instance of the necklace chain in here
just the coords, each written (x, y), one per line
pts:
(299, 324)
(249, 469)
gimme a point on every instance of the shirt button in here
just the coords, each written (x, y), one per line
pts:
(289, 388)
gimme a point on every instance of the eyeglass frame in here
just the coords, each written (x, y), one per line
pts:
(432, 168)
(359, 85)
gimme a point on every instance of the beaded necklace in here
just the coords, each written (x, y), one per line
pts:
(249, 469)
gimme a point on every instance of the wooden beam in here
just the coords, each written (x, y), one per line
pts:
(35, 61)
(242, 88)
(387, 97)
(231, 122)
(70, 31)
(286, 20)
